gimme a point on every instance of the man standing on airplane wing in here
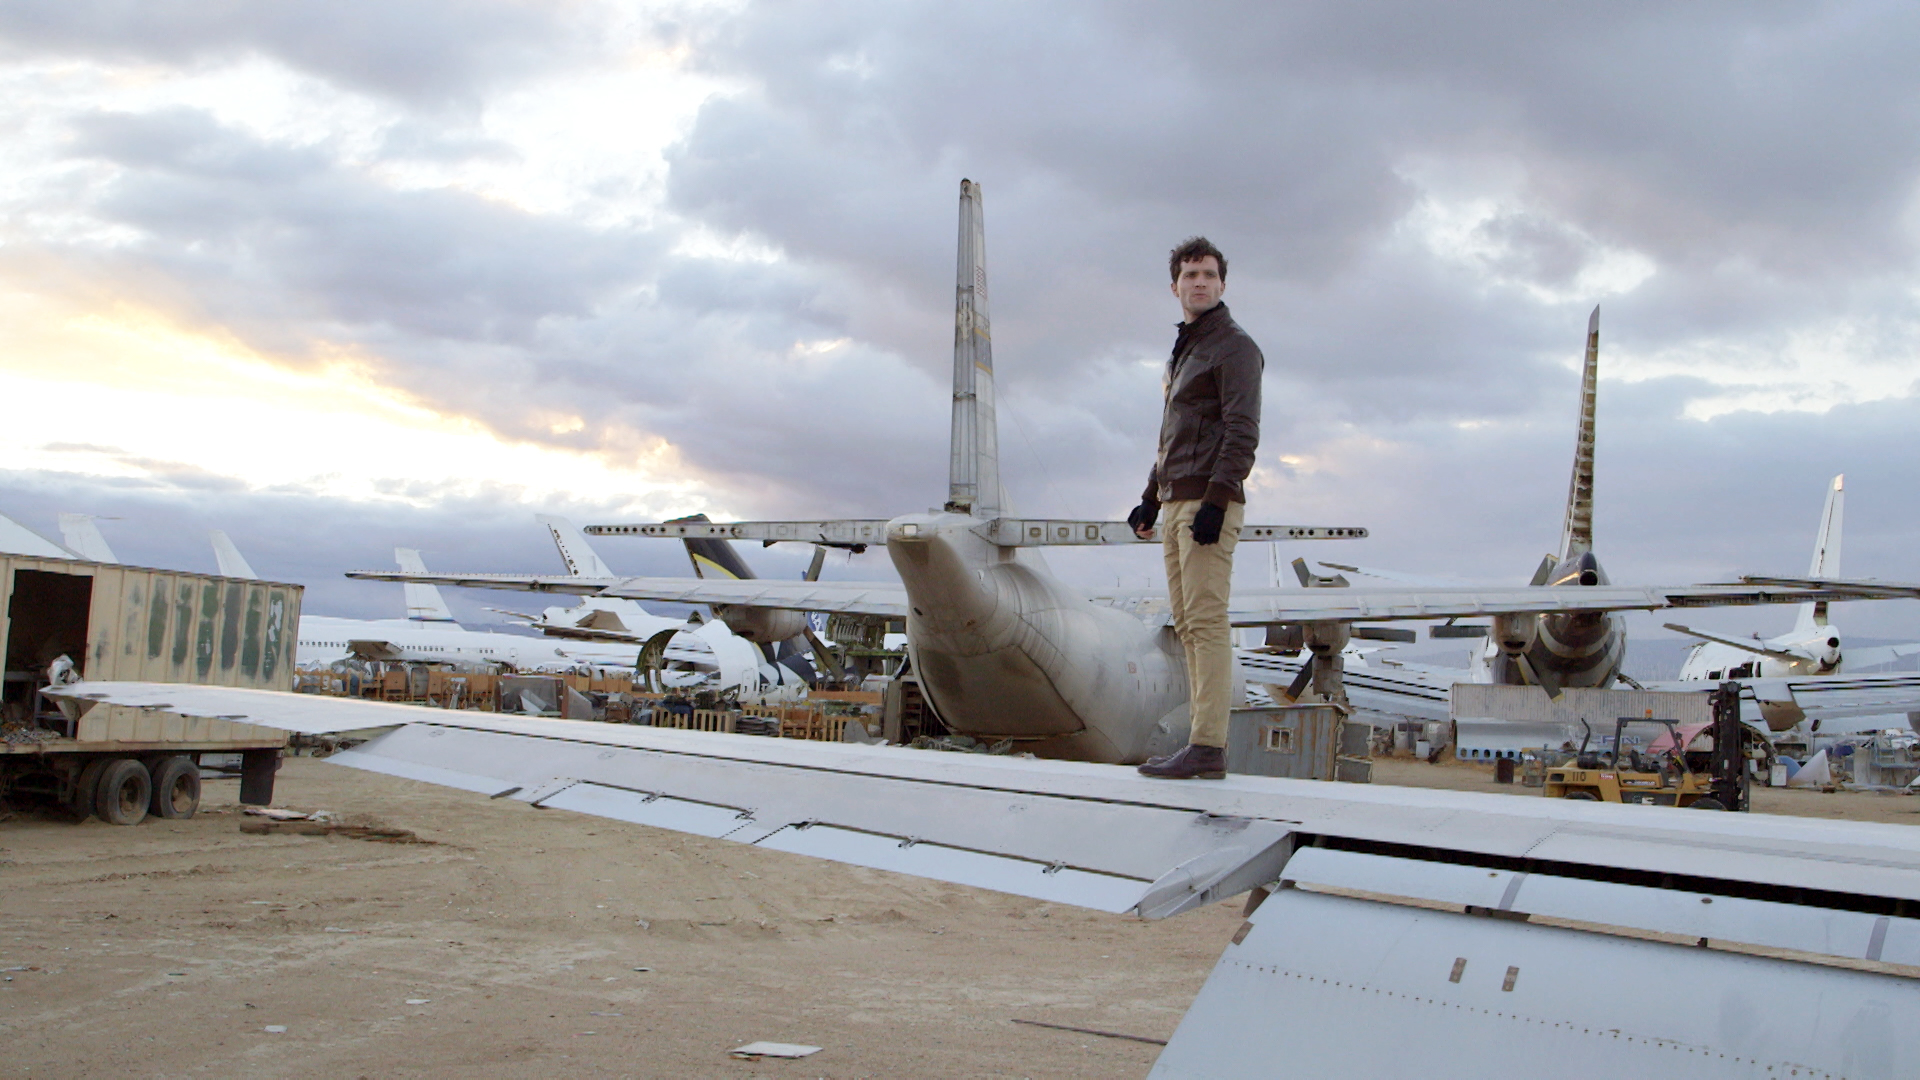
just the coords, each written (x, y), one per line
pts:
(1207, 437)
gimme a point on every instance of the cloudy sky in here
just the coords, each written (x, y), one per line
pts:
(339, 276)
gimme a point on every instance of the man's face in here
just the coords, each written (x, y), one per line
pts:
(1199, 286)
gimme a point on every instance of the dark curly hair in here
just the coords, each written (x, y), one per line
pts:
(1193, 249)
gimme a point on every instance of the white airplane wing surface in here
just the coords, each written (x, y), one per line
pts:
(1830, 697)
(1250, 607)
(1256, 607)
(884, 599)
(1396, 931)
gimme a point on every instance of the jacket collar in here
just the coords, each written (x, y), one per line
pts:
(1208, 320)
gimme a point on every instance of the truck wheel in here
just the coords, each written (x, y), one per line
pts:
(176, 787)
(1583, 796)
(125, 792)
(86, 788)
(1706, 802)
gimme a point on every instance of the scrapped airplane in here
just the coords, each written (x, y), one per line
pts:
(1390, 931)
(1005, 650)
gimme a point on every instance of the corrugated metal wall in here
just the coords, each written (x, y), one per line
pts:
(171, 626)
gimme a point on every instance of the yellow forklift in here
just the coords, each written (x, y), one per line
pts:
(1661, 763)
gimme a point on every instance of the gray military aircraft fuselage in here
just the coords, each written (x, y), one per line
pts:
(1004, 649)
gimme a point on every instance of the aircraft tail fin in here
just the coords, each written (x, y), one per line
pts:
(17, 539)
(581, 559)
(713, 557)
(82, 537)
(1576, 534)
(974, 471)
(1826, 552)
(231, 562)
(424, 602)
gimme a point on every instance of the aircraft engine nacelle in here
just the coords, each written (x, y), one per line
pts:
(1515, 634)
(1827, 652)
(761, 625)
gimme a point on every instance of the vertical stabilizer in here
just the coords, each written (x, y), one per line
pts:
(231, 562)
(1576, 535)
(83, 538)
(17, 539)
(712, 558)
(1826, 552)
(424, 602)
(974, 473)
(581, 559)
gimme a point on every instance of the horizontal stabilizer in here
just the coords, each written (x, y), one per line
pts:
(845, 533)
(1846, 588)
(1880, 654)
(1735, 643)
(859, 533)
(17, 539)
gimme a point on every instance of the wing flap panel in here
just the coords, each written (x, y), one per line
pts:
(907, 855)
(649, 808)
(1852, 935)
(1459, 993)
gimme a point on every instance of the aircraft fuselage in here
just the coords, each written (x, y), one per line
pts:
(1006, 650)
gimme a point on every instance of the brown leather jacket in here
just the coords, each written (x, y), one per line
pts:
(1212, 420)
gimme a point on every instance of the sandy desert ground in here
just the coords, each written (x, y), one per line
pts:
(518, 942)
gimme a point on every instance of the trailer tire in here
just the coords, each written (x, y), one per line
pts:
(86, 787)
(125, 792)
(1706, 802)
(176, 787)
(1583, 796)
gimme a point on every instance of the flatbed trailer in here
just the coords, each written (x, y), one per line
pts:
(110, 621)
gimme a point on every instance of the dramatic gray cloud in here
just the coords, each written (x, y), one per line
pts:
(1421, 204)
(429, 53)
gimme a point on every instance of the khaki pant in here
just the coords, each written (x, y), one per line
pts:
(1199, 578)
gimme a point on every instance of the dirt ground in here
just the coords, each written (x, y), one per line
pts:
(519, 942)
(169, 948)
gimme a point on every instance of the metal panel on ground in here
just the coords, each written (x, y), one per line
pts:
(1449, 995)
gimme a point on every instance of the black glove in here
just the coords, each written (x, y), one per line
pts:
(1206, 524)
(1143, 516)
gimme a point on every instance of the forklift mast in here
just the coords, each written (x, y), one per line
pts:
(1729, 767)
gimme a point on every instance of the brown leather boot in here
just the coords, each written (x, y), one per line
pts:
(1191, 763)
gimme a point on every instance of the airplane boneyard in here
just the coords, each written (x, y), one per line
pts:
(1389, 932)
(1006, 650)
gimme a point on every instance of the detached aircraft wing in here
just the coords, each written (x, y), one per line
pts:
(1455, 921)
(880, 599)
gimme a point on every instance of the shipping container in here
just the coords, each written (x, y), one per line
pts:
(124, 623)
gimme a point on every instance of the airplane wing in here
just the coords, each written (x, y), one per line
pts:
(1259, 607)
(1855, 588)
(881, 599)
(1383, 687)
(1876, 655)
(373, 649)
(1455, 920)
(1251, 607)
(1828, 697)
(1754, 647)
